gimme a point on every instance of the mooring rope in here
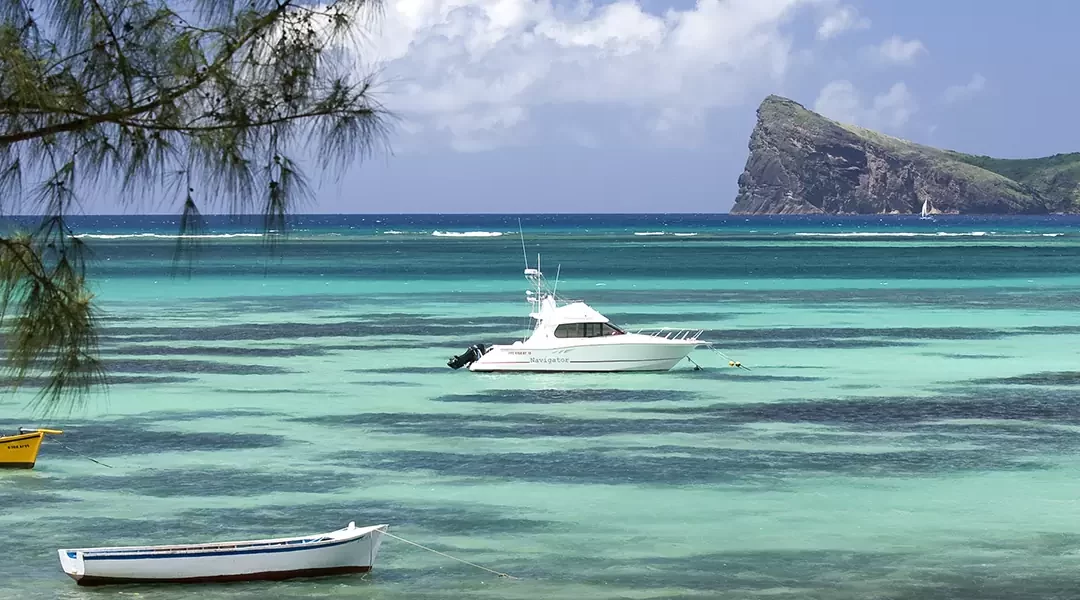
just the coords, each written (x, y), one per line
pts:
(499, 573)
(78, 454)
(731, 362)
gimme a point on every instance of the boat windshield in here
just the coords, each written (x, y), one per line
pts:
(586, 330)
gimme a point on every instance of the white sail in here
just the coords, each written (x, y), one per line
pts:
(925, 208)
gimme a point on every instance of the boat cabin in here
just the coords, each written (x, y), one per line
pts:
(572, 321)
(586, 330)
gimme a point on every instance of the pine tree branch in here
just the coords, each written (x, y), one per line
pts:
(85, 123)
(131, 92)
(369, 112)
(18, 250)
(125, 68)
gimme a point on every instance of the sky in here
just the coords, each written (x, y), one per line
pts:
(538, 106)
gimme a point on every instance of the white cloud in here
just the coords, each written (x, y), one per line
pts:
(957, 93)
(889, 111)
(477, 70)
(897, 50)
(842, 18)
(895, 107)
(679, 126)
(478, 131)
(839, 100)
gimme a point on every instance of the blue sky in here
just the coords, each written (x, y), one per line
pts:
(527, 106)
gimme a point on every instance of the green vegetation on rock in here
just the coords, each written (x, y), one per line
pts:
(1057, 177)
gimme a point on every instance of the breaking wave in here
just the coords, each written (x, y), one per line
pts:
(466, 233)
(893, 234)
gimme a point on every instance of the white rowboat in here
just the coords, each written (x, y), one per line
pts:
(349, 550)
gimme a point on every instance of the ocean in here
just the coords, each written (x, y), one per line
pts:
(909, 426)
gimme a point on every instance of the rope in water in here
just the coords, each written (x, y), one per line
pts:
(78, 454)
(499, 573)
(732, 362)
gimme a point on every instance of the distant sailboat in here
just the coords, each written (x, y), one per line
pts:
(925, 214)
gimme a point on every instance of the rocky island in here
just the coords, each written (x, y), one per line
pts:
(803, 163)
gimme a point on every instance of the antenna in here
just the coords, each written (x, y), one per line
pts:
(557, 271)
(524, 254)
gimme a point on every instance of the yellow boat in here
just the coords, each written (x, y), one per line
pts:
(20, 451)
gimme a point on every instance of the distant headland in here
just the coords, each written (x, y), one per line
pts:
(803, 163)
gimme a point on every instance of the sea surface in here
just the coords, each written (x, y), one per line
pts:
(908, 428)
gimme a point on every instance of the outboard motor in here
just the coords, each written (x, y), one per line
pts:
(468, 357)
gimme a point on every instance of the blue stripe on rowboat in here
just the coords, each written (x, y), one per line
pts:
(224, 547)
(177, 553)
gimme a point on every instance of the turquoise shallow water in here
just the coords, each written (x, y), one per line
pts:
(909, 428)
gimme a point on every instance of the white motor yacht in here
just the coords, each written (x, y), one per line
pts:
(572, 336)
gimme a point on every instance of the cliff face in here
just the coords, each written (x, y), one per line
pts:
(802, 163)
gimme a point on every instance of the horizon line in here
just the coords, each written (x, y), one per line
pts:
(537, 214)
(380, 214)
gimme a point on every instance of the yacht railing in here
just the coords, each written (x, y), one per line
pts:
(671, 333)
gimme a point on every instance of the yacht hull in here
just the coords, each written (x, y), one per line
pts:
(606, 358)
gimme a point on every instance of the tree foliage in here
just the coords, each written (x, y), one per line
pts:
(206, 101)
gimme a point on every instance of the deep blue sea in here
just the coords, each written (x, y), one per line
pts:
(578, 224)
(909, 427)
